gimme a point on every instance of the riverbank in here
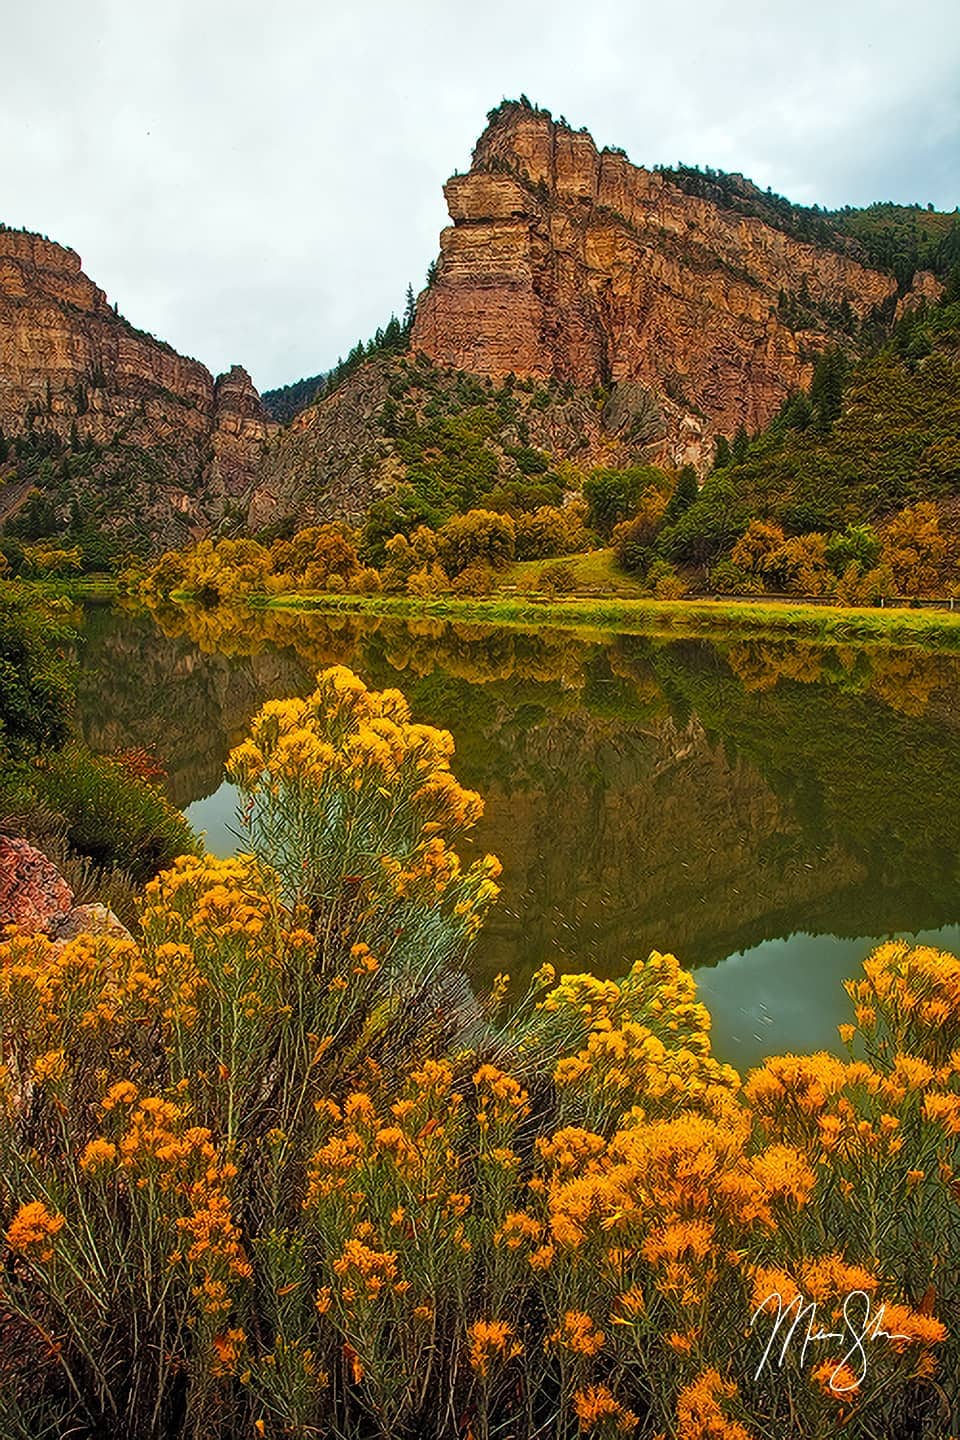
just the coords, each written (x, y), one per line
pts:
(900, 625)
(89, 588)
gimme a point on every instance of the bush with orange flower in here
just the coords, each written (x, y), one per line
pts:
(272, 1169)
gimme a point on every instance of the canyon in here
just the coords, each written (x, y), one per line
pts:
(172, 444)
(645, 311)
(570, 262)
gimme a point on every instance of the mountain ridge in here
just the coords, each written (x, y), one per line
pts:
(644, 313)
(104, 415)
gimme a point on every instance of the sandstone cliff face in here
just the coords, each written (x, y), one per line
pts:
(568, 262)
(71, 367)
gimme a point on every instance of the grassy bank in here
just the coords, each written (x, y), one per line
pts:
(901, 625)
(81, 587)
(592, 570)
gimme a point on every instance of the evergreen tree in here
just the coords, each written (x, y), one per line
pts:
(410, 311)
(740, 446)
(721, 457)
(388, 416)
(826, 387)
(797, 412)
(684, 494)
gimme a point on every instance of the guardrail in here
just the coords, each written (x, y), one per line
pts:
(905, 602)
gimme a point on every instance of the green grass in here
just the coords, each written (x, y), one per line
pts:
(900, 626)
(594, 570)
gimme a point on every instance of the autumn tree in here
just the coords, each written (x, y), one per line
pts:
(481, 535)
(614, 495)
(760, 540)
(916, 550)
(550, 531)
(633, 539)
(315, 553)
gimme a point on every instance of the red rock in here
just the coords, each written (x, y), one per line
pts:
(565, 261)
(71, 365)
(33, 894)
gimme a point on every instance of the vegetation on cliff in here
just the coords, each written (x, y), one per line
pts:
(73, 502)
(851, 493)
(904, 239)
(286, 401)
(864, 466)
(273, 1169)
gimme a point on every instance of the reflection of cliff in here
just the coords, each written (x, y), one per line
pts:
(640, 793)
(642, 840)
(140, 687)
(870, 762)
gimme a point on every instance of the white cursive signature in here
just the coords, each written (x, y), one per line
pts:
(804, 1313)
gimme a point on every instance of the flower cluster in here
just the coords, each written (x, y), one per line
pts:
(271, 1158)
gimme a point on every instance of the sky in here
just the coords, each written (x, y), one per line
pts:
(258, 183)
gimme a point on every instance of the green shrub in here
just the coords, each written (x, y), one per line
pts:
(109, 815)
(476, 579)
(664, 581)
(35, 684)
(558, 578)
(613, 495)
(726, 578)
(482, 535)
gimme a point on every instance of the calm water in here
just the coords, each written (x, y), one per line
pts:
(765, 810)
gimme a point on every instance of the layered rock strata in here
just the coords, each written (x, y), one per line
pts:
(566, 261)
(72, 367)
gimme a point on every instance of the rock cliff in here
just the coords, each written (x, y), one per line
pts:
(174, 444)
(613, 314)
(568, 262)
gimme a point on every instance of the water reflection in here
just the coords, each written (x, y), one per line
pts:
(776, 803)
(787, 994)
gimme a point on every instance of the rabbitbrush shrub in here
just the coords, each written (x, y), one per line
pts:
(274, 1171)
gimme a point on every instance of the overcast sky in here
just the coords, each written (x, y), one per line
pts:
(258, 182)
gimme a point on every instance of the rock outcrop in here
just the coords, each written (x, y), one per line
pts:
(177, 443)
(568, 262)
(926, 289)
(338, 457)
(33, 894)
(36, 900)
(331, 462)
(649, 311)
